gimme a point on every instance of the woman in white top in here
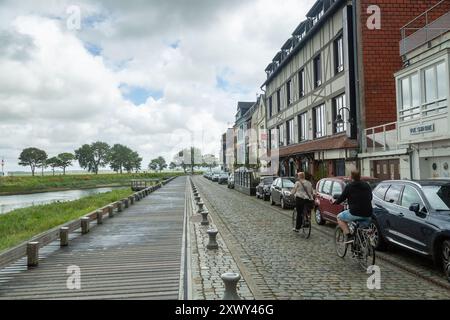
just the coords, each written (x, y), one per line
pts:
(303, 192)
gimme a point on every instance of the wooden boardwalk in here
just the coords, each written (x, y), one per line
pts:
(134, 255)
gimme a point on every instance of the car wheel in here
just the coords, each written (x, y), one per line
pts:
(318, 217)
(446, 258)
(283, 204)
(377, 238)
(271, 201)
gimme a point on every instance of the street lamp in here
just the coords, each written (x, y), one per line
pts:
(339, 120)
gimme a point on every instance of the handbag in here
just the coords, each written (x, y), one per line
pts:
(309, 202)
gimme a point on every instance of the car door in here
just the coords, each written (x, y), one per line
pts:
(413, 227)
(394, 212)
(276, 190)
(327, 199)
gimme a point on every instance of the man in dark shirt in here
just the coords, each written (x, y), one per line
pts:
(359, 196)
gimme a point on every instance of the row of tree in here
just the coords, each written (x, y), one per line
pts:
(90, 157)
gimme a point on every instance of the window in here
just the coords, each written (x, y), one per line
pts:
(301, 83)
(302, 127)
(319, 121)
(339, 54)
(393, 193)
(281, 132)
(317, 71)
(337, 188)
(409, 197)
(270, 106)
(274, 138)
(290, 131)
(320, 185)
(410, 97)
(380, 191)
(339, 105)
(279, 100)
(327, 187)
(288, 92)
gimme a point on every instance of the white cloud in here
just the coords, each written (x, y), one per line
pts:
(56, 95)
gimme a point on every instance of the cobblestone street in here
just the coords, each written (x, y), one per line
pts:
(279, 264)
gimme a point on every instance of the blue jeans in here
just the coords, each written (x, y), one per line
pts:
(346, 216)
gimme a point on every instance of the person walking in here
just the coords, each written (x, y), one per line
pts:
(304, 198)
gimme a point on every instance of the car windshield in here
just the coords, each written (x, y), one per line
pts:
(288, 183)
(438, 197)
(267, 181)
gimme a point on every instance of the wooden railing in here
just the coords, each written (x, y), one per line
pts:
(31, 247)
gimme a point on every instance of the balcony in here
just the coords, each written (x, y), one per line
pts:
(381, 139)
(429, 25)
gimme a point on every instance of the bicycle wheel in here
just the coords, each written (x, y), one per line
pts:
(306, 227)
(294, 218)
(367, 251)
(339, 242)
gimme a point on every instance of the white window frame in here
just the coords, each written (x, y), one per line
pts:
(303, 126)
(319, 118)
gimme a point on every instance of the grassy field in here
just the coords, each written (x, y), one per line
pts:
(22, 224)
(28, 184)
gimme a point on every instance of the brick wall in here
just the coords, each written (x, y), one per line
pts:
(381, 57)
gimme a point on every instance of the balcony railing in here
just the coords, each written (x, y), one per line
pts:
(381, 138)
(426, 27)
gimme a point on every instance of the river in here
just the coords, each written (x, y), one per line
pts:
(9, 203)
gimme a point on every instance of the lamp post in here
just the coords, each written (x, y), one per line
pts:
(339, 120)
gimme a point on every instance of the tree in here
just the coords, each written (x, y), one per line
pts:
(32, 157)
(93, 156)
(172, 165)
(158, 164)
(65, 160)
(119, 157)
(54, 162)
(133, 162)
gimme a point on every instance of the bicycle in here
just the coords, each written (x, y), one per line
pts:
(305, 229)
(362, 247)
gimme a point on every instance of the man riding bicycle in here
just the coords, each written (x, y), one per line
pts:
(359, 196)
(304, 196)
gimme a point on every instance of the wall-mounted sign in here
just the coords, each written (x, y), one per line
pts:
(422, 129)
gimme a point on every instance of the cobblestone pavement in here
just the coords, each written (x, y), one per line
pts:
(208, 265)
(278, 264)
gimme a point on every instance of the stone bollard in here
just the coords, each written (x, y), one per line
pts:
(212, 244)
(126, 203)
(200, 207)
(230, 280)
(110, 211)
(32, 254)
(99, 216)
(64, 236)
(205, 221)
(119, 206)
(131, 200)
(85, 221)
(197, 199)
(195, 194)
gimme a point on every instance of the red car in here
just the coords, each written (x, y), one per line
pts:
(326, 189)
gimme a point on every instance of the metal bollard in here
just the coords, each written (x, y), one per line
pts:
(119, 206)
(205, 221)
(85, 225)
(64, 236)
(110, 211)
(230, 280)
(99, 216)
(212, 244)
(32, 254)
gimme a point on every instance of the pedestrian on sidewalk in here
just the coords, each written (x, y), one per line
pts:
(304, 198)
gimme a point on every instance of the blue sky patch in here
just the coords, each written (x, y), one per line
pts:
(139, 95)
(93, 49)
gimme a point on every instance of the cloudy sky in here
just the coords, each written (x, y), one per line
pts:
(154, 75)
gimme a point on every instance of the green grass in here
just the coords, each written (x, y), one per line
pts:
(26, 184)
(22, 224)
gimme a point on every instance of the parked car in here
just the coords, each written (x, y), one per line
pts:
(263, 188)
(280, 192)
(223, 178)
(414, 215)
(231, 181)
(326, 189)
(215, 177)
